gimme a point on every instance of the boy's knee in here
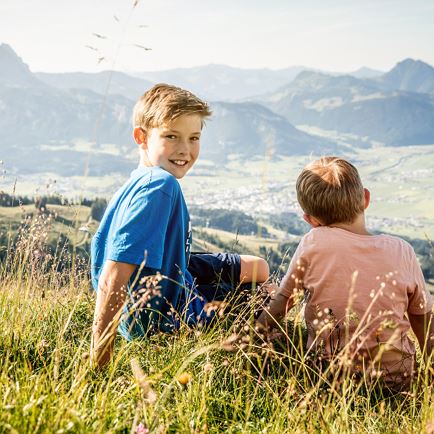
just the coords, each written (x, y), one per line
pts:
(253, 269)
(263, 270)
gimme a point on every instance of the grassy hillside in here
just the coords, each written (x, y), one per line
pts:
(222, 379)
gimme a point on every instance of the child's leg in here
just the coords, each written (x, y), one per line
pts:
(218, 274)
(215, 274)
(253, 269)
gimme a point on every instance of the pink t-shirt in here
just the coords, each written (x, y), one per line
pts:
(359, 288)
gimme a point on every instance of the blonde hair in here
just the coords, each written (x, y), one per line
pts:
(164, 103)
(330, 189)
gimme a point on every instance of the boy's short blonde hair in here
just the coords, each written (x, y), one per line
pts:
(164, 103)
(330, 189)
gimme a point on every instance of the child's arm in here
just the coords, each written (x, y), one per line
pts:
(111, 297)
(285, 296)
(419, 308)
(423, 328)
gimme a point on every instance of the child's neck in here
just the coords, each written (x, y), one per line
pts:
(358, 226)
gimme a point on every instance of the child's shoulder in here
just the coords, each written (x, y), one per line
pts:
(151, 179)
(397, 244)
(331, 235)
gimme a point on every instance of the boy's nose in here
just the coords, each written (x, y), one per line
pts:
(182, 147)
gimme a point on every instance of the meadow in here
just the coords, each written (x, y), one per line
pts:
(227, 378)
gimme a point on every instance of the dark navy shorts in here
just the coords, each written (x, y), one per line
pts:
(216, 275)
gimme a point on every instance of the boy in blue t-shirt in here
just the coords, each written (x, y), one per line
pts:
(146, 232)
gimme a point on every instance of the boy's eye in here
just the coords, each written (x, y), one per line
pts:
(170, 136)
(195, 138)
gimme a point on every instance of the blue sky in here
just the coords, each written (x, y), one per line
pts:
(335, 35)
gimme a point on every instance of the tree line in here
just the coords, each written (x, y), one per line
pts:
(97, 205)
(233, 221)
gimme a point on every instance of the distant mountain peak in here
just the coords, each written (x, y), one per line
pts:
(13, 70)
(412, 63)
(410, 75)
(7, 49)
(8, 55)
(365, 72)
(307, 76)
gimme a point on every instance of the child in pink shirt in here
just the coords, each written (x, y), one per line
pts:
(364, 292)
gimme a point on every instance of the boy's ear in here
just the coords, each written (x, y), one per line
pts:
(367, 197)
(311, 220)
(140, 137)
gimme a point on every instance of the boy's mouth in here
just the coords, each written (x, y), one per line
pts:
(179, 162)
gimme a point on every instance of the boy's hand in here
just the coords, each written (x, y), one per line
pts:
(267, 333)
(279, 305)
(270, 288)
(423, 328)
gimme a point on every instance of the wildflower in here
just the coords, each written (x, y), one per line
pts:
(430, 427)
(184, 378)
(229, 343)
(215, 306)
(141, 429)
(208, 367)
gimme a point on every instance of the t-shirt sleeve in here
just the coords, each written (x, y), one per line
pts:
(141, 235)
(420, 300)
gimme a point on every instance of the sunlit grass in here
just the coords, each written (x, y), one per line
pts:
(223, 379)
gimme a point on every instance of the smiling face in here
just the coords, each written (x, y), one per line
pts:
(174, 146)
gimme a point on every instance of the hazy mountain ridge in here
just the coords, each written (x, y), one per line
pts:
(408, 75)
(110, 82)
(252, 129)
(222, 82)
(48, 121)
(358, 106)
(365, 72)
(213, 82)
(49, 112)
(34, 115)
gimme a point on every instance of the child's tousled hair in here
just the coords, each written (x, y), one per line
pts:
(164, 103)
(330, 189)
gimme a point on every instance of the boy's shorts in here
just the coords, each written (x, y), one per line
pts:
(216, 275)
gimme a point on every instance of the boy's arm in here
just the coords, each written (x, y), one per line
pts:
(111, 296)
(423, 328)
(420, 301)
(285, 296)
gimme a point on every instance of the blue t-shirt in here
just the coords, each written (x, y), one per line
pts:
(147, 223)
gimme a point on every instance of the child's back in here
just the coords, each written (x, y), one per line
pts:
(359, 289)
(363, 292)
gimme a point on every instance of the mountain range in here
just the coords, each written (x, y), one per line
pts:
(212, 82)
(43, 116)
(363, 107)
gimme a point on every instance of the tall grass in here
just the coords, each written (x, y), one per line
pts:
(222, 379)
